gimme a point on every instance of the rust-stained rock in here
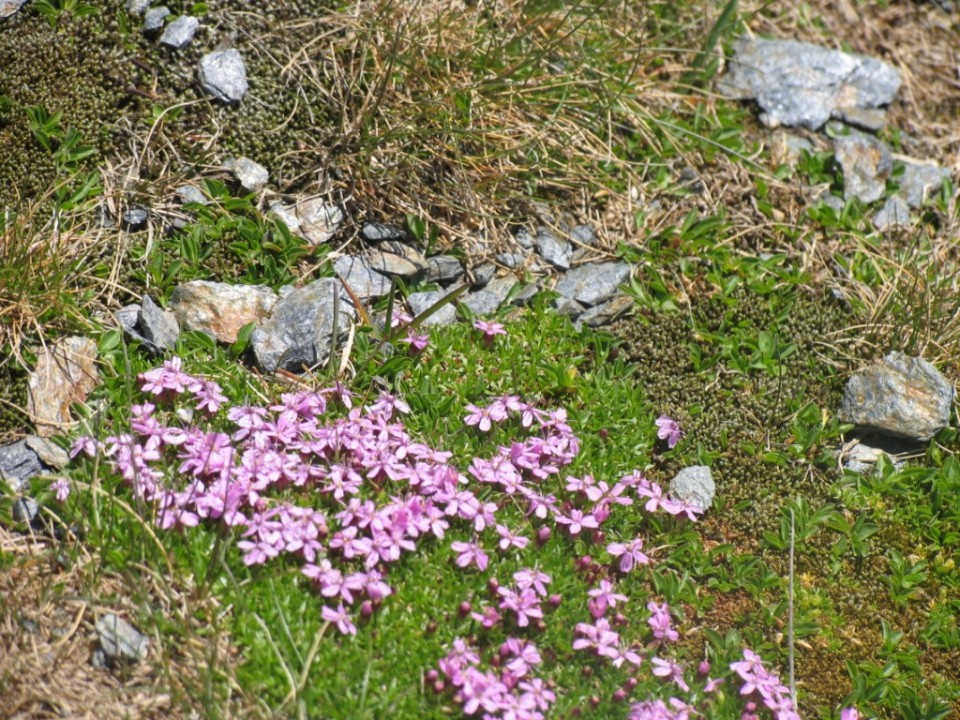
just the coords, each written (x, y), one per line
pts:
(66, 373)
(220, 309)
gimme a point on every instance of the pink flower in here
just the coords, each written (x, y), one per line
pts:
(630, 554)
(508, 539)
(62, 488)
(849, 714)
(660, 621)
(489, 330)
(577, 521)
(340, 617)
(469, 554)
(669, 430)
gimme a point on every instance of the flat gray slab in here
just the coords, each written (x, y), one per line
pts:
(360, 277)
(593, 283)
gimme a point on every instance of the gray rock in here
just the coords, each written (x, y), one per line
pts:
(9, 7)
(378, 232)
(135, 218)
(154, 17)
(158, 326)
(525, 239)
(389, 263)
(593, 283)
(863, 118)
(486, 301)
(180, 32)
(583, 235)
(127, 316)
(554, 250)
(299, 332)
(137, 7)
(25, 510)
(318, 220)
(421, 301)
(362, 279)
(220, 309)
(483, 274)
(689, 179)
(287, 215)
(223, 75)
(512, 260)
(251, 175)
(787, 148)
(604, 314)
(832, 201)
(862, 456)
(51, 455)
(567, 307)
(18, 463)
(919, 181)
(894, 213)
(120, 642)
(443, 268)
(798, 83)
(902, 396)
(866, 164)
(694, 485)
(191, 194)
(407, 252)
(526, 294)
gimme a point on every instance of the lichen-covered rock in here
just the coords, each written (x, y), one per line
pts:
(120, 642)
(66, 372)
(694, 485)
(903, 396)
(866, 164)
(319, 220)
(223, 75)
(363, 280)
(299, 332)
(593, 283)
(220, 309)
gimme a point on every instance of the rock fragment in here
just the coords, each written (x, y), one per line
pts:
(18, 463)
(443, 269)
(379, 232)
(318, 220)
(251, 175)
(555, 251)
(694, 485)
(902, 396)
(158, 327)
(593, 283)
(223, 75)
(119, 642)
(363, 280)
(180, 32)
(66, 373)
(154, 17)
(486, 301)
(420, 302)
(866, 164)
(894, 213)
(220, 309)
(9, 7)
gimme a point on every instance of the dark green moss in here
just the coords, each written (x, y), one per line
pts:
(13, 401)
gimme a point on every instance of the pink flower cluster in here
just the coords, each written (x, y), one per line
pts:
(508, 693)
(764, 684)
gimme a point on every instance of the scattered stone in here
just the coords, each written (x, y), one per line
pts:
(318, 220)
(787, 148)
(526, 294)
(512, 260)
(223, 75)
(567, 307)
(120, 642)
(902, 396)
(420, 302)
(832, 201)
(919, 181)
(583, 235)
(407, 252)
(137, 7)
(135, 218)
(299, 332)
(443, 268)
(251, 175)
(866, 164)
(486, 301)
(65, 374)
(694, 485)
(154, 17)
(861, 456)
(127, 316)
(51, 455)
(9, 7)
(604, 314)
(866, 119)
(158, 327)
(25, 510)
(798, 83)
(554, 250)
(362, 279)
(220, 309)
(483, 274)
(389, 263)
(894, 213)
(525, 239)
(18, 463)
(378, 232)
(593, 283)
(191, 194)
(180, 32)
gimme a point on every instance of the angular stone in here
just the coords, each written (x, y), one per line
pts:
(25, 510)
(866, 164)
(135, 218)
(554, 250)
(223, 75)
(221, 309)
(299, 332)
(407, 252)
(50, 454)
(120, 642)
(919, 181)
(593, 283)
(483, 274)
(362, 279)
(287, 215)
(902, 396)
(583, 235)
(526, 294)
(180, 32)
(604, 314)
(443, 268)
(378, 232)
(567, 307)
(191, 194)
(137, 7)
(798, 83)
(421, 301)
(787, 148)
(895, 212)
(862, 457)
(18, 463)
(865, 119)
(154, 17)
(388, 263)
(127, 316)
(158, 326)
(511, 260)
(251, 175)
(525, 239)
(486, 301)
(694, 485)
(66, 373)
(318, 220)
